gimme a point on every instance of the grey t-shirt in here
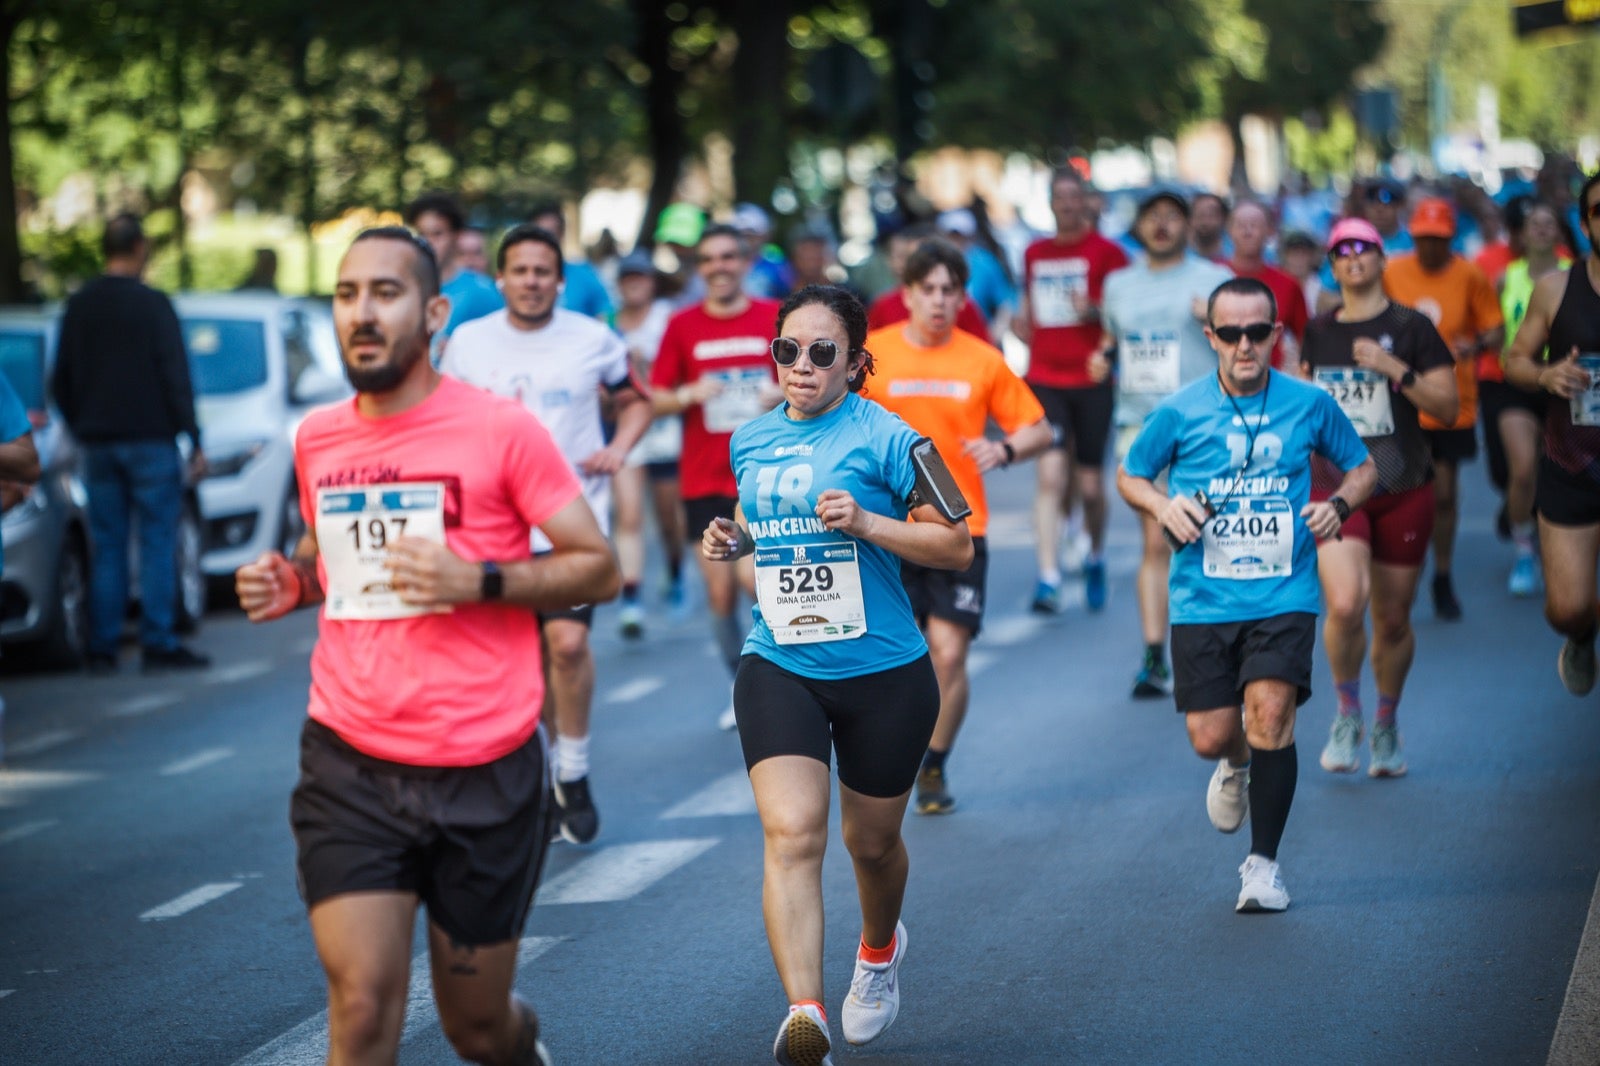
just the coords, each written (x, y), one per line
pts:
(1161, 346)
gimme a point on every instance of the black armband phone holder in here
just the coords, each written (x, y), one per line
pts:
(935, 484)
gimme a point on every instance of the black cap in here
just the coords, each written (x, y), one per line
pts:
(636, 262)
(1385, 191)
(1164, 192)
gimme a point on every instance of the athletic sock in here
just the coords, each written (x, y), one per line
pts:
(675, 569)
(877, 956)
(1156, 654)
(630, 592)
(730, 640)
(572, 758)
(1050, 577)
(1349, 693)
(1272, 781)
(1387, 705)
(1522, 537)
(934, 760)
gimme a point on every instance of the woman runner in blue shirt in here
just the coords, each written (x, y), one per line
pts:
(835, 663)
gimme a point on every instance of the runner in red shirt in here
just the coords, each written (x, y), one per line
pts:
(1250, 227)
(1059, 319)
(715, 369)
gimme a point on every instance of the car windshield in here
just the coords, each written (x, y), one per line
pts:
(225, 354)
(22, 362)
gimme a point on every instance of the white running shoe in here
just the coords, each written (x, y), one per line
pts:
(803, 1038)
(874, 997)
(1261, 886)
(1342, 755)
(1075, 551)
(1228, 796)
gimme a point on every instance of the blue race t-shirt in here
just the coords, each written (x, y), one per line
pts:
(583, 291)
(1257, 558)
(472, 295)
(13, 424)
(812, 574)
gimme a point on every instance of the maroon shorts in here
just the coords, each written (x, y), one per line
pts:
(1396, 525)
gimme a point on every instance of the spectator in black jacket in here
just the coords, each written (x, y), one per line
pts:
(122, 384)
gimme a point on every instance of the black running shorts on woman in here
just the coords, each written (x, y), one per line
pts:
(878, 724)
(469, 840)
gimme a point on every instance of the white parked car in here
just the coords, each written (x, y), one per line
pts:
(259, 363)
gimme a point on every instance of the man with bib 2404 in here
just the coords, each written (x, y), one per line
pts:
(1237, 449)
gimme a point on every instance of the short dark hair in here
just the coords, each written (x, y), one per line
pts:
(426, 267)
(846, 307)
(1222, 203)
(547, 207)
(123, 236)
(529, 232)
(441, 204)
(933, 253)
(1583, 193)
(917, 232)
(723, 229)
(1243, 287)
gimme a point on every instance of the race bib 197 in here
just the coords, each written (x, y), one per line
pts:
(810, 593)
(354, 530)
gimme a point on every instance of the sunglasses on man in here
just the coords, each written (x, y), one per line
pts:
(786, 352)
(1258, 332)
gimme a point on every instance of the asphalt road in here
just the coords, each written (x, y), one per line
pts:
(1077, 907)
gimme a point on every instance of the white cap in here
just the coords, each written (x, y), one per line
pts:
(749, 218)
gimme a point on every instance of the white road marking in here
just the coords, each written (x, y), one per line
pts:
(729, 794)
(622, 871)
(198, 760)
(245, 671)
(4, 992)
(979, 661)
(307, 1043)
(26, 829)
(1012, 629)
(189, 901)
(17, 784)
(155, 701)
(634, 690)
(43, 742)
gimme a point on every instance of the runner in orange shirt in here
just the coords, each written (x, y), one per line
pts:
(947, 384)
(1463, 307)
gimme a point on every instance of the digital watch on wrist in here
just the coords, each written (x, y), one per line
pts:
(493, 585)
(1340, 508)
(1408, 379)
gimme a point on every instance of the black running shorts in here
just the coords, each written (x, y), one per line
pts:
(1212, 663)
(700, 510)
(878, 724)
(1080, 419)
(1452, 445)
(953, 595)
(1566, 499)
(468, 841)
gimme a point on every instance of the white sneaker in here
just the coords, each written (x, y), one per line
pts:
(803, 1038)
(1228, 796)
(1075, 551)
(1261, 886)
(874, 997)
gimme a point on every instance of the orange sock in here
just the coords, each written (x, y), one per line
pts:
(877, 956)
(813, 1003)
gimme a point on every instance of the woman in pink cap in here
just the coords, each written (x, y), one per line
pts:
(1383, 363)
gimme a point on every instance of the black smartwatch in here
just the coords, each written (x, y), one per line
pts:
(1011, 453)
(1408, 379)
(1340, 508)
(493, 585)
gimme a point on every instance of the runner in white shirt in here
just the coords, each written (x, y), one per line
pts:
(555, 363)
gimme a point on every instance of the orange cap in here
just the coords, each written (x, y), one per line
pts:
(1433, 218)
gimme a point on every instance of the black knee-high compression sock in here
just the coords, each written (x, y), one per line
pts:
(1272, 781)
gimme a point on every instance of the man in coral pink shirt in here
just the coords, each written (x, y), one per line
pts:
(422, 769)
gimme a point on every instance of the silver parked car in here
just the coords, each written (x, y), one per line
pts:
(259, 362)
(44, 590)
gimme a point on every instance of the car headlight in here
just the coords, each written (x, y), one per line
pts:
(230, 462)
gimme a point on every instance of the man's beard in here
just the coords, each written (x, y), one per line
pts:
(387, 376)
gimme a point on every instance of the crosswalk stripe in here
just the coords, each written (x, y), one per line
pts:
(307, 1043)
(26, 829)
(729, 794)
(198, 760)
(621, 871)
(187, 902)
(637, 689)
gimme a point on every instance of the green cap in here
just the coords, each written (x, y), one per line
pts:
(680, 223)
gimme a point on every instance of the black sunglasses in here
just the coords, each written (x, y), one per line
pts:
(1256, 331)
(1346, 249)
(786, 352)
